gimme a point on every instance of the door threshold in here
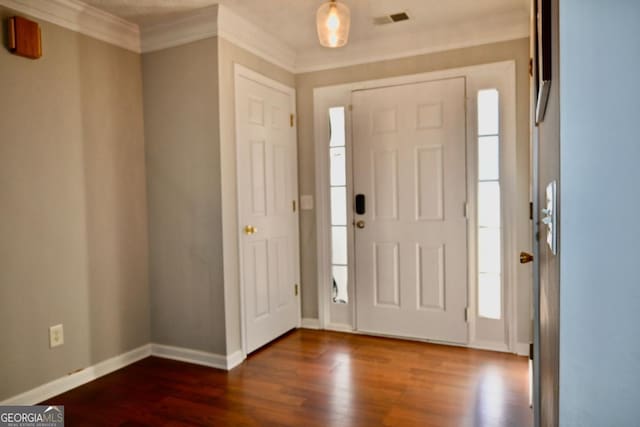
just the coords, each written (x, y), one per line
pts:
(495, 347)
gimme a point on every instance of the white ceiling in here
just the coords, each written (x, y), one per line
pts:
(149, 12)
(433, 25)
(293, 21)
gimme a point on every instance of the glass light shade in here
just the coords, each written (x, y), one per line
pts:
(332, 21)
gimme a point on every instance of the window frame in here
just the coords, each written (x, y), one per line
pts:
(479, 135)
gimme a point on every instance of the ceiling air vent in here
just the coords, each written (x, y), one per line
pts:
(397, 17)
(390, 19)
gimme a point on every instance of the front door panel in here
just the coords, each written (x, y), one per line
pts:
(411, 254)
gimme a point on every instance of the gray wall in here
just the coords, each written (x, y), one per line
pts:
(600, 157)
(73, 234)
(73, 240)
(183, 181)
(517, 50)
(230, 54)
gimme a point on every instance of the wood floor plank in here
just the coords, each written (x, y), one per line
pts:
(314, 378)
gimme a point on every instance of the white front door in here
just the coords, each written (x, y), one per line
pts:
(268, 221)
(411, 242)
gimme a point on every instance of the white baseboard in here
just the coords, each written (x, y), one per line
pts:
(235, 359)
(66, 383)
(488, 345)
(522, 349)
(340, 327)
(310, 323)
(198, 357)
(76, 379)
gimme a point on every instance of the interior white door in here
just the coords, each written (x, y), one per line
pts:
(411, 242)
(267, 191)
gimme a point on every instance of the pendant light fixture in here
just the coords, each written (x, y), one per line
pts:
(332, 22)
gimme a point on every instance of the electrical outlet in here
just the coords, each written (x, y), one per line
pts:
(56, 336)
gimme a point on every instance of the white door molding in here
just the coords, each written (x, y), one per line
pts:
(499, 75)
(241, 72)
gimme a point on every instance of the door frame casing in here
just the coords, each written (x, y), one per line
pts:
(475, 76)
(240, 71)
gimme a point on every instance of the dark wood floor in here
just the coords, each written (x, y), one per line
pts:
(314, 378)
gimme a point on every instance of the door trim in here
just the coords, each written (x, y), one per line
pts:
(244, 72)
(340, 95)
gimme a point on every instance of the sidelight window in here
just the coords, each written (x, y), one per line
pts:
(489, 206)
(338, 184)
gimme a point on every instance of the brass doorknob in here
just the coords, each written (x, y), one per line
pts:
(525, 258)
(250, 229)
(360, 224)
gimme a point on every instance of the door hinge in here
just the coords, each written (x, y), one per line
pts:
(295, 289)
(466, 314)
(294, 205)
(465, 210)
(350, 107)
(531, 351)
(291, 118)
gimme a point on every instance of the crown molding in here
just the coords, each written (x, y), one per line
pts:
(246, 35)
(198, 25)
(82, 18)
(490, 29)
(219, 20)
